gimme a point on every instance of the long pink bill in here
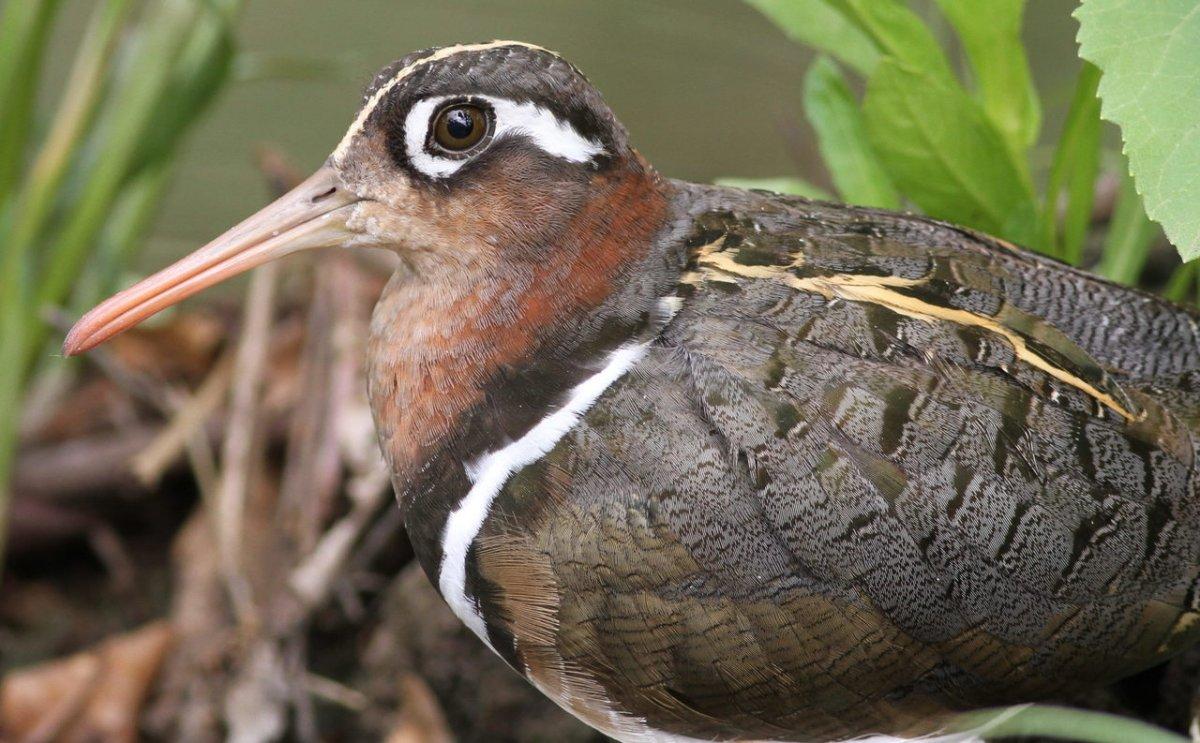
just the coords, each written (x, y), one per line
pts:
(312, 215)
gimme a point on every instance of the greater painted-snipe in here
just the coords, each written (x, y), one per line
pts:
(704, 463)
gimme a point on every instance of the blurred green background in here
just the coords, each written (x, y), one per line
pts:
(708, 88)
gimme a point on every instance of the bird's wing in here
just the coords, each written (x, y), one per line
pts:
(873, 467)
(915, 432)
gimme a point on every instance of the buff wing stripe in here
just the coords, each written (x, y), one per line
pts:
(894, 293)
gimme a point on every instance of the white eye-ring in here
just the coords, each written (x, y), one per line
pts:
(431, 156)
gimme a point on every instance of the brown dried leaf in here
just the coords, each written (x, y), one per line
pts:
(95, 695)
(421, 719)
(181, 348)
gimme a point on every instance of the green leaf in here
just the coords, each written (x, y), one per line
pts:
(990, 31)
(205, 65)
(1076, 164)
(1060, 723)
(1179, 286)
(1130, 235)
(842, 138)
(75, 111)
(784, 184)
(945, 154)
(899, 33)
(132, 103)
(24, 30)
(815, 23)
(1150, 55)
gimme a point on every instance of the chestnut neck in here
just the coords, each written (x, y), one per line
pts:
(454, 342)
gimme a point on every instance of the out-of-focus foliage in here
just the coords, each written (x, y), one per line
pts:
(945, 154)
(841, 137)
(1150, 55)
(959, 147)
(77, 194)
(785, 184)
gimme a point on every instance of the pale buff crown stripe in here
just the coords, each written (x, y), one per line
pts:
(384, 89)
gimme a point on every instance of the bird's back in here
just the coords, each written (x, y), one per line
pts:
(874, 469)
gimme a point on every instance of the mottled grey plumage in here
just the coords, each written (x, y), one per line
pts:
(807, 518)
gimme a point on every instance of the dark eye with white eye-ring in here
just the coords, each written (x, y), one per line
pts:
(459, 127)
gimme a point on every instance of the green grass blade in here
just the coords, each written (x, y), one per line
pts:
(842, 138)
(24, 28)
(132, 214)
(204, 67)
(1130, 235)
(990, 31)
(13, 292)
(36, 197)
(179, 57)
(134, 101)
(817, 24)
(1076, 164)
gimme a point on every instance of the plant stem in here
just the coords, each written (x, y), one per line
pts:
(1076, 162)
(1130, 235)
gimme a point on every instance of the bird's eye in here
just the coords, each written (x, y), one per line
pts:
(459, 127)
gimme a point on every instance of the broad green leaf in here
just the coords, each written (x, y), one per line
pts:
(784, 184)
(990, 31)
(944, 153)
(1130, 235)
(899, 33)
(842, 138)
(1076, 164)
(815, 23)
(1150, 54)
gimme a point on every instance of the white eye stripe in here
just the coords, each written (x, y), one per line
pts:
(364, 113)
(550, 133)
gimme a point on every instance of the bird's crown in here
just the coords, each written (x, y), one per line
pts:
(441, 113)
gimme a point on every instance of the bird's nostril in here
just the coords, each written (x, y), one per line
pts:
(324, 194)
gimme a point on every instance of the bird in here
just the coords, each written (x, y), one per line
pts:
(704, 463)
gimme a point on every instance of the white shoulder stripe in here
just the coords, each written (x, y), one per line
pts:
(404, 72)
(489, 473)
(541, 126)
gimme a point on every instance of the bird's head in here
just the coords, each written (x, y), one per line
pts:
(493, 154)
